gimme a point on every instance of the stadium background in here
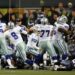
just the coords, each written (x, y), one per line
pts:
(4, 4)
(32, 3)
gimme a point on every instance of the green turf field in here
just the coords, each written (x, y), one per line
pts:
(32, 72)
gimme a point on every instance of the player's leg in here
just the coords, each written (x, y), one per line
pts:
(62, 52)
(48, 46)
(66, 47)
(7, 53)
(59, 45)
(32, 51)
(66, 53)
(4, 47)
(37, 55)
(52, 52)
(63, 48)
(21, 48)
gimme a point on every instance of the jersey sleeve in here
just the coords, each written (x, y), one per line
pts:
(34, 42)
(35, 27)
(4, 26)
(22, 30)
(66, 27)
(51, 28)
(6, 34)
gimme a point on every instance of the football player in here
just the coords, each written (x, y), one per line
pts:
(45, 39)
(14, 36)
(61, 27)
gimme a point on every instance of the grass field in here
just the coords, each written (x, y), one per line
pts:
(32, 72)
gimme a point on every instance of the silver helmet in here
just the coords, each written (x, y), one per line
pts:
(62, 19)
(11, 25)
(44, 21)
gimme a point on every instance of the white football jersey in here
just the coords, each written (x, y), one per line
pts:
(45, 33)
(33, 40)
(14, 35)
(57, 34)
(2, 28)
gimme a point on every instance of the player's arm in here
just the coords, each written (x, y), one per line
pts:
(26, 31)
(63, 30)
(31, 29)
(6, 36)
(34, 46)
(34, 42)
(23, 31)
(52, 31)
(6, 28)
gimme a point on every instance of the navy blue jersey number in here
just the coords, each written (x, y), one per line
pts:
(1, 30)
(45, 32)
(14, 35)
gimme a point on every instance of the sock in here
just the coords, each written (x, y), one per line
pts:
(30, 62)
(64, 57)
(9, 62)
(54, 60)
(45, 62)
(8, 59)
(8, 56)
(38, 58)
